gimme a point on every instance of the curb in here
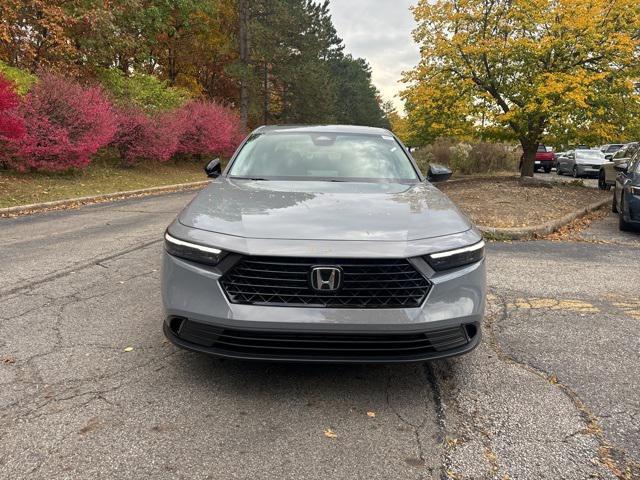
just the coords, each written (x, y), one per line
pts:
(107, 197)
(527, 233)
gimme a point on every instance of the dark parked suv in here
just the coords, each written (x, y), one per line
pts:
(626, 193)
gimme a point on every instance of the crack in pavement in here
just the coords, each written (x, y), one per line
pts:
(440, 419)
(29, 408)
(415, 428)
(441, 372)
(606, 450)
(27, 405)
(77, 267)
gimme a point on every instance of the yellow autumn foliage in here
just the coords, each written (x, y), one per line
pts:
(525, 69)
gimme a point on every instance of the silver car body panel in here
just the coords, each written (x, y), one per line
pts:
(193, 291)
(316, 210)
(322, 219)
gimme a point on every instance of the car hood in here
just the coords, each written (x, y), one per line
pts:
(324, 210)
(590, 160)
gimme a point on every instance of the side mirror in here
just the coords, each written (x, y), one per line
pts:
(621, 167)
(438, 173)
(608, 157)
(213, 168)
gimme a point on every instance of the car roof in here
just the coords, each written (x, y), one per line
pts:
(356, 129)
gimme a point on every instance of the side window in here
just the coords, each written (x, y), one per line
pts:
(620, 153)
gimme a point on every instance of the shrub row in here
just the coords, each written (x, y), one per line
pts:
(59, 124)
(469, 158)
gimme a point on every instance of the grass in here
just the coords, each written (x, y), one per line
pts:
(104, 175)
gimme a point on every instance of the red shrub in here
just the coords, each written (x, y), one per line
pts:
(140, 137)
(11, 126)
(65, 124)
(207, 128)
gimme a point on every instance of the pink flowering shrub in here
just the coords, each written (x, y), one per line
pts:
(139, 136)
(60, 124)
(65, 123)
(11, 126)
(207, 128)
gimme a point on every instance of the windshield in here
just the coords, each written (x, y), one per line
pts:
(612, 148)
(323, 156)
(542, 148)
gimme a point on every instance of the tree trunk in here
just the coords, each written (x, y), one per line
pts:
(529, 150)
(243, 38)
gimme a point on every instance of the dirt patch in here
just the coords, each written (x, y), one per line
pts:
(504, 203)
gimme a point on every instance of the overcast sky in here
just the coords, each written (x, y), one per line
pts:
(380, 31)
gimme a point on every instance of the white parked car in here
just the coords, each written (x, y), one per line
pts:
(580, 163)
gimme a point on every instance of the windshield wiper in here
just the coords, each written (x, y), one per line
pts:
(250, 178)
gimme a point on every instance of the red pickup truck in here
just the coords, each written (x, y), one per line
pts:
(544, 159)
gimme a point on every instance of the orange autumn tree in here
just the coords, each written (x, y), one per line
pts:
(34, 35)
(524, 69)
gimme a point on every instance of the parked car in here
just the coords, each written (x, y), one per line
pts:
(580, 163)
(608, 173)
(545, 159)
(323, 244)
(610, 149)
(558, 155)
(626, 193)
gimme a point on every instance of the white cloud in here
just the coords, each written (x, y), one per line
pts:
(380, 32)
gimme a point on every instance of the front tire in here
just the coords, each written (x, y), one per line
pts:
(602, 182)
(558, 170)
(622, 223)
(574, 172)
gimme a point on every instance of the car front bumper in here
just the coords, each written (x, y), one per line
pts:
(631, 212)
(200, 317)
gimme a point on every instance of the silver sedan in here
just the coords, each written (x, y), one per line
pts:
(580, 163)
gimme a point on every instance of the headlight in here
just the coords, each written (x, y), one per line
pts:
(456, 258)
(192, 251)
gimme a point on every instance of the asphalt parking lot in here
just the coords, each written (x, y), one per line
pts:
(552, 392)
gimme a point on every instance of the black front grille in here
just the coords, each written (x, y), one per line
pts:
(367, 283)
(301, 345)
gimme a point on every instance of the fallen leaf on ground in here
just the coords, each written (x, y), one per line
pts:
(128, 349)
(371, 414)
(330, 433)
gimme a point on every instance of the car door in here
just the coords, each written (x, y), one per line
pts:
(569, 161)
(623, 178)
(610, 172)
(560, 161)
